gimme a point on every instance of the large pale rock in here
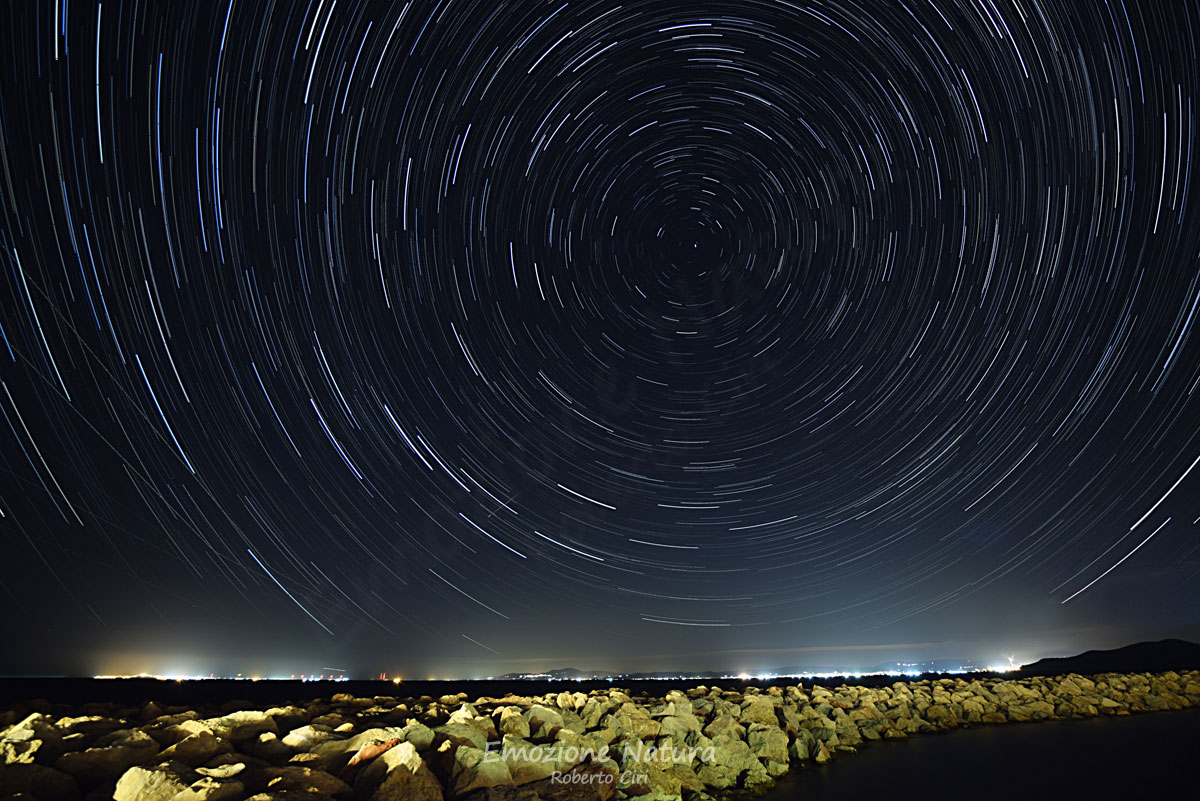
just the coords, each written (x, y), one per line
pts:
(643, 778)
(209, 789)
(1033, 710)
(822, 728)
(305, 779)
(590, 713)
(112, 755)
(512, 721)
(758, 709)
(543, 721)
(14, 752)
(174, 732)
(398, 774)
(225, 771)
(973, 710)
(420, 735)
(337, 754)
(767, 742)
(268, 748)
(238, 727)
(725, 724)
(196, 749)
(288, 718)
(463, 734)
(474, 768)
(570, 749)
(367, 752)
(305, 738)
(729, 763)
(157, 783)
(34, 738)
(680, 727)
(593, 782)
(466, 713)
(526, 762)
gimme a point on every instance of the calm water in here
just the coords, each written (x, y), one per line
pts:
(1139, 756)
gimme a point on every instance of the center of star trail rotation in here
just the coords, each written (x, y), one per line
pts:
(457, 330)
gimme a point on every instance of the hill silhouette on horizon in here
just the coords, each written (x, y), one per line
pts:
(1143, 657)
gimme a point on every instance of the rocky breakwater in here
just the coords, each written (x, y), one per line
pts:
(697, 744)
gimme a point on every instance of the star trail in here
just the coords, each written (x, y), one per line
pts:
(463, 335)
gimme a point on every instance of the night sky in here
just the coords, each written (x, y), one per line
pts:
(462, 337)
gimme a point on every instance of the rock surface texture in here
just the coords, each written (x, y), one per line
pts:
(693, 745)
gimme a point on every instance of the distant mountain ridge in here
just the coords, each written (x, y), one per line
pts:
(1142, 657)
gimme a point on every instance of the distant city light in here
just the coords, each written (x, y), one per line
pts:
(213, 677)
(901, 669)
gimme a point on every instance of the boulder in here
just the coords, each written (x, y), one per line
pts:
(680, 727)
(1033, 710)
(196, 749)
(307, 737)
(596, 781)
(512, 721)
(295, 777)
(590, 713)
(420, 735)
(288, 718)
(112, 755)
(973, 710)
(209, 789)
(38, 781)
(398, 774)
(526, 762)
(158, 783)
(90, 726)
(368, 751)
(462, 734)
(475, 768)
(238, 727)
(225, 771)
(728, 763)
(822, 728)
(172, 733)
(758, 709)
(336, 754)
(725, 724)
(544, 722)
(15, 752)
(768, 743)
(268, 748)
(35, 737)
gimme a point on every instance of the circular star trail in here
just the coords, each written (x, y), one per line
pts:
(473, 330)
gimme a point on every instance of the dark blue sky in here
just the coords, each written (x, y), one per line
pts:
(465, 337)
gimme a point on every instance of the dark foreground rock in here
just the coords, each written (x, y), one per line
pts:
(601, 746)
